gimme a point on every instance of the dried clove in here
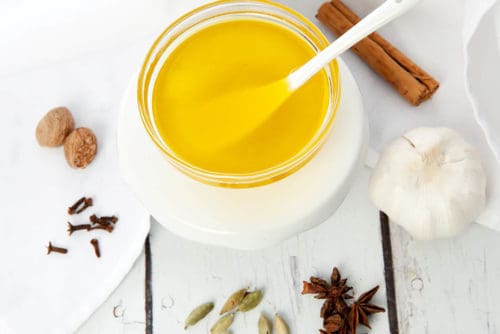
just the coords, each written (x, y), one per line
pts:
(72, 209)
(80, 205)
(95, 244)
(73, 228)
(51, 248)
(105, 220)
(88, 202)
(108, 227)
(112, 219)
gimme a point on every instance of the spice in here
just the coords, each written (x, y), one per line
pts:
(264, 325)
(51, 248)
(80, 205)
(87, 203)
(222, 324)
(101, 223)
(108, 228)
(333, 323)
(57, 127)
(233, 301)
(280, 325)
(337, 290)
(105, 220)
(411, 82)
(80, 148)
(54, 127)
(362, 308)
(72, 209)
(197, 314)
(111, 219)
(73, 228)
(95, 244)
(250, 301)
(338, 316)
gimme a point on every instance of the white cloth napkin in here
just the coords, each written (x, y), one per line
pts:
(435, 34)
(56, 293)
(482, 52)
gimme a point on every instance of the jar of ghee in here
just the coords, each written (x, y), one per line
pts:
(230, 45)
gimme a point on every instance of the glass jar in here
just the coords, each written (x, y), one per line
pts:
(203, 17)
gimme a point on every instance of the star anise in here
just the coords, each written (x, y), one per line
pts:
(361, 309)
(334, 310)
(334, 324)
(337, 289)
(338, 316)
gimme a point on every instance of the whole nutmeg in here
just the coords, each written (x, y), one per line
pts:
(80, 148)
(54, 127)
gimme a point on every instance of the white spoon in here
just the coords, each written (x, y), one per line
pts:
(243, 111)
(385, 13)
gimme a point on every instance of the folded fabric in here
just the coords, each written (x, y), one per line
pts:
(482, 68)
(56, 293)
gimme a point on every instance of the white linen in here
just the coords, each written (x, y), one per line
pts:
(56, 293)
(482, 52)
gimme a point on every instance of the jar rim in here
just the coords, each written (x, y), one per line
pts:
(152, 61)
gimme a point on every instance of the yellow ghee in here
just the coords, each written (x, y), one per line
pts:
(233, 56)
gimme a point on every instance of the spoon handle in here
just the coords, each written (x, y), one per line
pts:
(385, 13)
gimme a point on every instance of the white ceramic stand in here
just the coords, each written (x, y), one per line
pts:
(245, 218)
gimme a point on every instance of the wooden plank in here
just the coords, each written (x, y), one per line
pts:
(123, 312)
(448, 286)
(186, 274)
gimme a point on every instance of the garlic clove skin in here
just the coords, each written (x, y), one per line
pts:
(431, 182)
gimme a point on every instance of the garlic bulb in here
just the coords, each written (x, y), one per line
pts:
(431, 182)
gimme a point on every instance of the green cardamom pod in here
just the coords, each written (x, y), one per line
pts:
(280, 325)
(197, 314)
(233, 301)
(264, 325)
(222, 324)
(250, 301)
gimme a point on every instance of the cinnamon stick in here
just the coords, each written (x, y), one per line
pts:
(411, 81)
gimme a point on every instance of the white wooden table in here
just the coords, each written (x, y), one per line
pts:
(447, 286)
